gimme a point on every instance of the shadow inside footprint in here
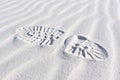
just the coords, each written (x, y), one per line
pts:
(82, 47)
(39, 35)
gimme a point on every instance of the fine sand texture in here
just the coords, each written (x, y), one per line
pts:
(95, 21)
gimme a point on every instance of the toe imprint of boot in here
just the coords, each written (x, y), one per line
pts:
(82, 47)
(39, 35)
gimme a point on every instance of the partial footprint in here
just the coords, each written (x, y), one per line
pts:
(82, 47)
(39, 35)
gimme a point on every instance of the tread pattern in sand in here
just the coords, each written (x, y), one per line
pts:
(82, 47)
(39, 35)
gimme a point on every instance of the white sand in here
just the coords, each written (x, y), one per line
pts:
(98, 20)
